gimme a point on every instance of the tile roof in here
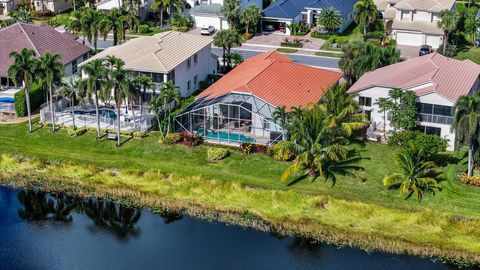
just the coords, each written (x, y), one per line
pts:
(434, 72)
(426, 5)
(41, 39)
(275, 79)
(159, 53)
(289, 9)
(424, 27)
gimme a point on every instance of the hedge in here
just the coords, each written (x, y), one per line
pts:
(37, 98)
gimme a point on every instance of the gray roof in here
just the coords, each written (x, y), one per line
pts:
(289, 9)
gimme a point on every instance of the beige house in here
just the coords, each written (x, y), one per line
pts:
(414, 22)
(56, 6)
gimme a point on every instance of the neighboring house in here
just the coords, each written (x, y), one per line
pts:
(238, 108)
(56, 6)
(41, 39)
(209, 12)
(414, 22)
(438, 82)
(8, 5)
(107, 5)
(282, 13)
(182, 58)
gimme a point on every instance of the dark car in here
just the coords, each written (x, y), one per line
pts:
(425, 49)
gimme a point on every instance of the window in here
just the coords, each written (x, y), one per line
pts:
(369, 115)
(189, 63)
(430, 130)
(266, 124)
(365, 101)
(195, 80)
(74, 66)
(189, 85)
(405, 15)
(435, 16)
(171, 76)
(195, 58)
(85, 57)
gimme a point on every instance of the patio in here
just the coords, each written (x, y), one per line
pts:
(7, 96)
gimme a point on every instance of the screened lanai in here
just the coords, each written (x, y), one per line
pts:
(233, 118)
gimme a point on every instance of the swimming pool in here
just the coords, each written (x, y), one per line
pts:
(7, 99)
(104, 113)
(223, 136)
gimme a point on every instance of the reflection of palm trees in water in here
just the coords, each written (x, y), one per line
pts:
(170, 216)
(116, 219)
(37, 205)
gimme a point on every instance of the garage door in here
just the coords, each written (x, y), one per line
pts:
(434, 41)
(208, 20)
(409, 39)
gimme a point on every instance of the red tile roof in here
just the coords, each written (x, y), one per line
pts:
(274, 78)
(434, 72)
(41, 39)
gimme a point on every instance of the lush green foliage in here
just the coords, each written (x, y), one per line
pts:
(217, 154)
(170, 138)
(231, 12)
(365, 13)
(431, 143)
(330, 19)
(403, 107)
(37, 98)
(181, 22)
(251, 17)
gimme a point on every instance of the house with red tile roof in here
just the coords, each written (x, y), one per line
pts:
(40, 39)
(238, 108)
(438, 82)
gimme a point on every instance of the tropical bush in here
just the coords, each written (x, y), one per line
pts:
(181, 23)
(37, 98)
(250, 148)
(191, 140)
(171, 138)
(295, 43)
(473, 180)
(76, 132)
(431, 143)
(216, 154)
(138, 134)
(143, 29)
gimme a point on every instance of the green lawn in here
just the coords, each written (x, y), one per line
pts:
(255, 170)
(473, 54)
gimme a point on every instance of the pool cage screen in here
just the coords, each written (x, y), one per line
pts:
(231, 119)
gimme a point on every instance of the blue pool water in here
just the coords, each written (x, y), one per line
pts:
(223, 136)
(7, 99)
(106, 113)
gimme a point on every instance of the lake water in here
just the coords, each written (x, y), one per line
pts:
(39, 231)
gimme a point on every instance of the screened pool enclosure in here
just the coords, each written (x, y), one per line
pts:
(231, 119)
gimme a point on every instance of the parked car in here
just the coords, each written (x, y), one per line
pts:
(269, 28)
(207, 30)
(425, 49)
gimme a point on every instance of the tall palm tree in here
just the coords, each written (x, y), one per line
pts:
(365, 12)
(111, 22)
(160, 5)
(52, 66)
(251, 16)
(90, 22)
(21, 72)
(231, 12)
(417, 175)
(448, 22)
(227, 39)
(161, 105)
(72, 87)
(117, 78)
(74, 23)
(129, 20)
(466, 121)
(384, 105)
(330, 19)
(131, 90)
(96, 72)
(146, 83)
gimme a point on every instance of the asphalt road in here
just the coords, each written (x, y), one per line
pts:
(310, 60)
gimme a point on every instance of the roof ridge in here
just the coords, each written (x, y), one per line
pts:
(272, 61)
(29, 40)
(10, 26)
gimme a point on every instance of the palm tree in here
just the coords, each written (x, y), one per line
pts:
(384, 105)
(74, 23)
(131, 90)
(146, 83)
(160, 5)
(280, 116)
(417, 175)
(90, 22)
(22, 71)
(52, 66)
(250, 17)
(96, 72)
(226, 39)
(466, 121)
(111, 22)
(448, 22)
(116, 77)
(365, 12)
(72, 87)
(231, 12)
(161, 105)
(330, 19)
(129, 20)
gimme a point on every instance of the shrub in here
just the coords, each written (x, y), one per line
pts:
(37, 98)
(181, 23)
(472, 180)
(171, 138)
(138, 134)
(375, 35)
(191, 140)
(285, 155)
(250, 148)
(143, 29)
(430, 142)
(216, 154)
(204, 85)
(295, 43)
(246, 148)
(76, 132)
(247, 36)
(126, 133)
(43, 13)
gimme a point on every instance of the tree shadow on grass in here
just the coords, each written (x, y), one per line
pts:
(125, 141)
(444, 159)
(297, 179)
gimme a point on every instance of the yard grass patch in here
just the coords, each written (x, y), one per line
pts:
(286, 50)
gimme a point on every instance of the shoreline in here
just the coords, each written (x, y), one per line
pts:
(85, 182)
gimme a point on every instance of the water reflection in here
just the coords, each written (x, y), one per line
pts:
(170, 216)
(38, 206)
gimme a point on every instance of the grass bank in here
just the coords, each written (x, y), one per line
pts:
(321, 217)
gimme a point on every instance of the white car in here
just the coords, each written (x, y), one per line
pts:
(207, 30)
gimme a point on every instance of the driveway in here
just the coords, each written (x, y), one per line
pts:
(272, 39)
(408, 52)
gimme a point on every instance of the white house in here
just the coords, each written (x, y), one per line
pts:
(282, 13)
(209, 12)
(414, 22)
(182, 58)
(438, 82)
(8, 5)
(107, 5)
